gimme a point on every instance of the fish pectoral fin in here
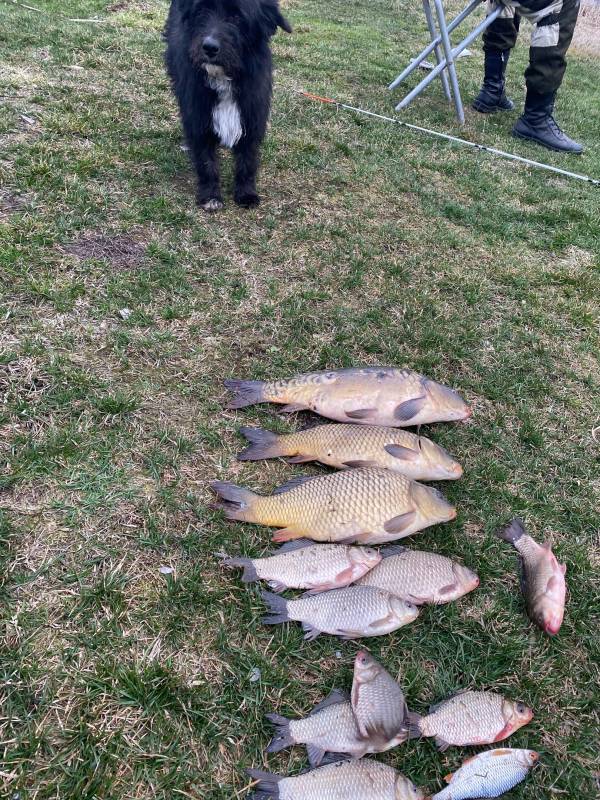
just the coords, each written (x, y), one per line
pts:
(310, 631)
(360, 413)
(381, 623)
(403, 453)
(400, 523)
(291, 407)
(333, 758)
(299, 459)
(298, 544)
(277, 586)
(409, 408)
(451, 587)
(315, 754)
(442, 744)
(358, 464)
(286, 534)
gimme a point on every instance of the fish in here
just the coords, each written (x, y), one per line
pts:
(367, 396)
(542, 578)
(301, 564)
(365, 779)
(419, 576)
(470, 718)
(378, 703)
(331, 727)
(350, 613)
(344, 446)
(368, 506)
(488, 774)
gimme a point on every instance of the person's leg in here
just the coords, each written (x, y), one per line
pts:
(550, 40)
(498, 41)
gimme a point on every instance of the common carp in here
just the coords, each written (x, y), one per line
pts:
(365, 779)
(343, 446)
(470, 718)
(350, 613)
(542, 580)
(367, 395)
(488, 774)
(369, 506)
(301, 564)
(419, 576)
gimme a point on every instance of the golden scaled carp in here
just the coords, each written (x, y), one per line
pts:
(488, 774)
(419, 576)
(369, 506)
(470, 718)
(543, 578)
(350, 613)
(301, 564)
(367, 395)
(378, 704)
(343, 446)
(365, 779)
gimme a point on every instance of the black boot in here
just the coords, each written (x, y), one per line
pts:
(492, 96)
(538, 124)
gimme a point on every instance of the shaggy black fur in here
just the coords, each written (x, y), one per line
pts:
(227, 38)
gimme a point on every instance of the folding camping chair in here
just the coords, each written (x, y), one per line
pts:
(447, 62)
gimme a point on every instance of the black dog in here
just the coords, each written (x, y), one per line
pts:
(219, 61)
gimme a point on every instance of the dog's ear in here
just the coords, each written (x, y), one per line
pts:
(273, 18)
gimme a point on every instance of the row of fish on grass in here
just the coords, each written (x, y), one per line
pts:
(374, 500)
(374, 718)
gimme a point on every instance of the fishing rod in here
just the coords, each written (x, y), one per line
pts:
(454, 139)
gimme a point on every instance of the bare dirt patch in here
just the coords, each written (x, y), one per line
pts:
(10, 203)
(121, 251)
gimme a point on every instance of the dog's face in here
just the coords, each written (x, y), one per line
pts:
(223, 30)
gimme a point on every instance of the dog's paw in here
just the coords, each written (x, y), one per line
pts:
(247, 198)
(214, 204)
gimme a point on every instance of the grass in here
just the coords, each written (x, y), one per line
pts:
(123, 310)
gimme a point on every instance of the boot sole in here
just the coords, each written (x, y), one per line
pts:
(518, 135)
(489, 109)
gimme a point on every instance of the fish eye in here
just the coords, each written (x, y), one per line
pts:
(521, 708)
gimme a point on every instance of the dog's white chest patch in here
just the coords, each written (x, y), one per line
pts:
(227, 123)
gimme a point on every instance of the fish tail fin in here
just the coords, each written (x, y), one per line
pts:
(512, 532)
(249, 575)
(267, 787)
(277, 608)
(245, 393)
(235, 501)
(414, 725)
(282, 738)
(263, 444)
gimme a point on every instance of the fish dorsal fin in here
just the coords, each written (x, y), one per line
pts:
(401, 452)
(294, 483)
(393, 550)
(409, 408)
(334, 698)
(450, 775)
(296, 544)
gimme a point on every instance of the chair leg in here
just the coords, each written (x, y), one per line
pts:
(449, 56)
(438, 55)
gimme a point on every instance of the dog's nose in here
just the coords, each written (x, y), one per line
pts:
(210, 46)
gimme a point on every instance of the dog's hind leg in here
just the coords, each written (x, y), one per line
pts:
(203, 149)
(246, 166)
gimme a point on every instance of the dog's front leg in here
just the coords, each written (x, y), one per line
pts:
(246, 166)
(203, 150)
